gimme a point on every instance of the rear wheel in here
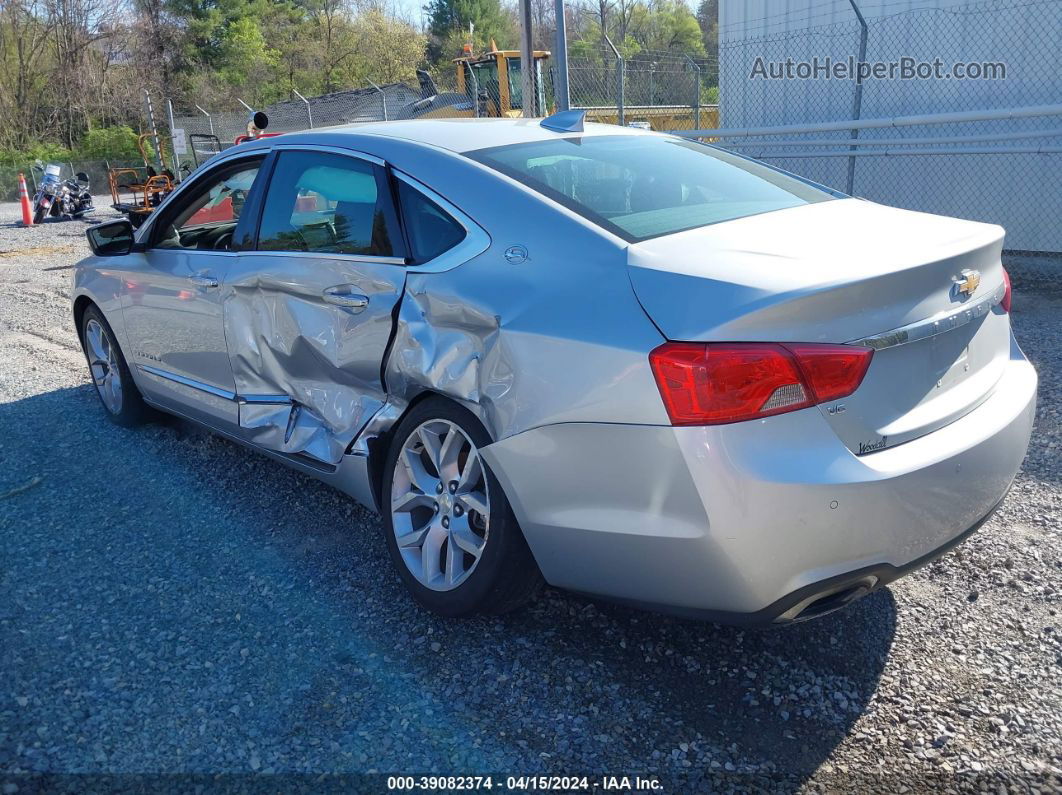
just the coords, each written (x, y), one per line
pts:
(110, 374)
(450, 530)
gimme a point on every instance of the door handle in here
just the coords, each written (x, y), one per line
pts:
(202, 280)
(340, 295)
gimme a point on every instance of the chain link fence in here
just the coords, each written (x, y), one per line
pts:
(658, 90)
(1004, 170)
(1002, 164)
(661, 90)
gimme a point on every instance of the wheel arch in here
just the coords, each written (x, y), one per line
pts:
(81, 303)
(379, 443)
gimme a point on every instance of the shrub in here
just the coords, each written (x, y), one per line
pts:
(42, 151)
(110, 143)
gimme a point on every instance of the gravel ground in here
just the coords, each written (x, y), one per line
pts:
(172, 603)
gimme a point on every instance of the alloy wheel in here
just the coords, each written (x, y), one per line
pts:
(103, 362)
(440, 505)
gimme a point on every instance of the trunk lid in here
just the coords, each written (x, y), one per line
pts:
(845, 271)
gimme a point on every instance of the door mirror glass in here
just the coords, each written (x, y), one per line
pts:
(111, 239)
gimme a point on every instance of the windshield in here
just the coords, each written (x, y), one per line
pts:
(641, 187)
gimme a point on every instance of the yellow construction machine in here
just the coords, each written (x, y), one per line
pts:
(489, 85)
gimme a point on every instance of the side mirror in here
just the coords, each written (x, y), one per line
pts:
(81, 176)
(111, 239)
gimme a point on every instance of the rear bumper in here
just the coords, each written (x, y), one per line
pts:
(758, 521)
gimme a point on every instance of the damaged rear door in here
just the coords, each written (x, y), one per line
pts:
(309, 312)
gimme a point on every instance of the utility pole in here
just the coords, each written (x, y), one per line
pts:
(857, 99)
(560, 60)
(527, 60)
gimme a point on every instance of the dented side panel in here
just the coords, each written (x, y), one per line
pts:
(307, 371)
(543, 327)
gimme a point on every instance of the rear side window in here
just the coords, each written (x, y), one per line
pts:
(430, 230)
(644, 186)
(328, 203)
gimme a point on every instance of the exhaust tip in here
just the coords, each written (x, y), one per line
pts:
(828, 601)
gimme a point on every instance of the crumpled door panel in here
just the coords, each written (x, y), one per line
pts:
(307, 372)
(527, 346)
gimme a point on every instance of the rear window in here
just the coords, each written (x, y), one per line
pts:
(641, 187)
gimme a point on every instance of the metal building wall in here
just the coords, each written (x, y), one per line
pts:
(1021, 191)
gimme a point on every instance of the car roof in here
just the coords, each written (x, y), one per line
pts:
(466, 135)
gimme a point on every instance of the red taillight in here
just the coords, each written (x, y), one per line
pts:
(720, 382)
(1005, 303)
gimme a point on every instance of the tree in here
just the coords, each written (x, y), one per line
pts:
(667, 25)
(246, 60)
(387, 50)
(72, 72)
(448, 20)
(24, 68)
(331, 23)
(708, 19)
(155, 44)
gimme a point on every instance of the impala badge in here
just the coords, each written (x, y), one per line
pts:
(966, 283)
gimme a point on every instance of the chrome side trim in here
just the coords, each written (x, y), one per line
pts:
(198, 252)
(937, 324)
(189, 382)
(338, 150)
(279, 399)
(476, 239)
(369, 258)
(213, 390)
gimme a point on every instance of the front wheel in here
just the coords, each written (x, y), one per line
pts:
(450, 530)
(110, 374)
(38, 215)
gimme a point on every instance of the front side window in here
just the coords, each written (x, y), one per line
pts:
(207, 216)
(429, 229)
(640, 187)
(328, 203)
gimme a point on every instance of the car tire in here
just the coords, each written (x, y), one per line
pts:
(435, 491)
(110, 374)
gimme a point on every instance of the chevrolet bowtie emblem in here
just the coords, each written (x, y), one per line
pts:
(966, 283)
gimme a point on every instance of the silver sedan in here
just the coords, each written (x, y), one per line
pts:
(621, 362)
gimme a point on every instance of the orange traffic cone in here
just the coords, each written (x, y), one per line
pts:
(23, 197)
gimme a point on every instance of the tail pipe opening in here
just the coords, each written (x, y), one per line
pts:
(828, 601)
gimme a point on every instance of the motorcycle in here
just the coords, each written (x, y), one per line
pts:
(58, 197)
